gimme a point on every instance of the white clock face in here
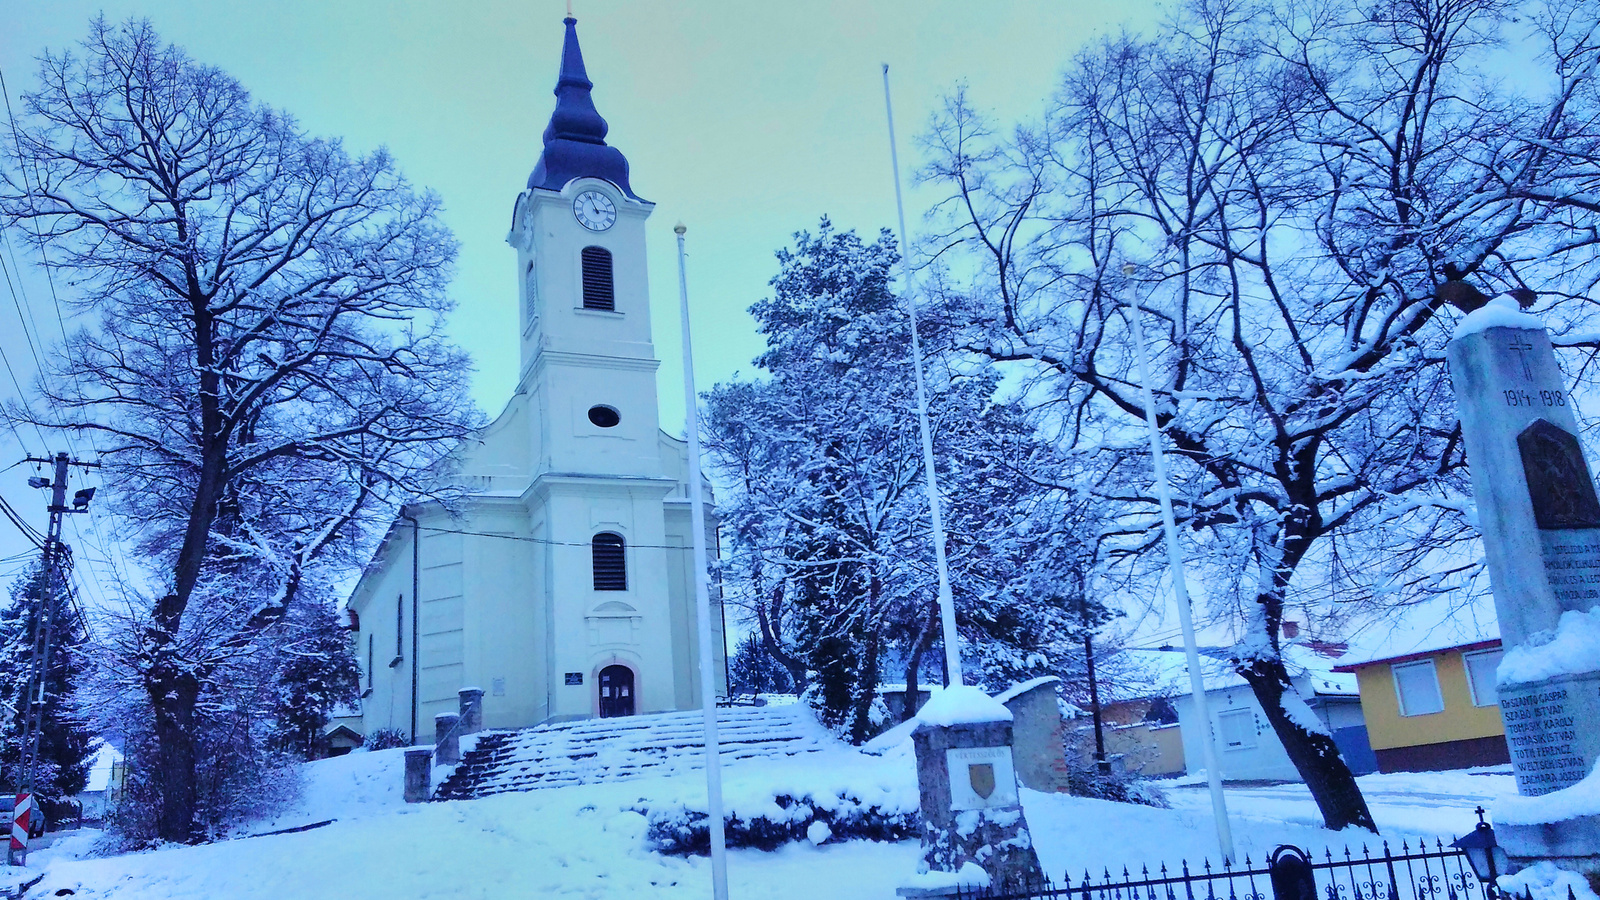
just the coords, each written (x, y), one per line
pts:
(594, 210)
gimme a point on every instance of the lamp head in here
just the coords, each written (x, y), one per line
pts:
(38, 481)
(1484, 853)
(80, 500)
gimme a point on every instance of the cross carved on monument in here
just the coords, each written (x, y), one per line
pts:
(1523, 348)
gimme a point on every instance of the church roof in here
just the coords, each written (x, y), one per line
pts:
(575, 140)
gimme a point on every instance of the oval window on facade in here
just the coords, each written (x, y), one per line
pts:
(604, 416)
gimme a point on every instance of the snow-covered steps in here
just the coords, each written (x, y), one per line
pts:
(599, 750)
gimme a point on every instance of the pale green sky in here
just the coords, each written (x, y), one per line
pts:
(745, 120)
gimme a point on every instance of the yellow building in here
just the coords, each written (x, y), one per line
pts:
(1433, 709)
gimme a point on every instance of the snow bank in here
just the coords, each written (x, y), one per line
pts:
(1018, 690)
(970, 877)
(1543, 881)
(849, 794)
(1581, 799)
(1572, 648)
(962, 704)
(1501, 312)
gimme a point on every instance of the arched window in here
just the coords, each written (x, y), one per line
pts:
(598, 292)
(610, 563)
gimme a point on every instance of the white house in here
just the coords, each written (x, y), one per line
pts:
(1247, 747)
(561, 585)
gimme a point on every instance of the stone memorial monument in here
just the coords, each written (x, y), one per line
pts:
(1540, 520)
(973, 830)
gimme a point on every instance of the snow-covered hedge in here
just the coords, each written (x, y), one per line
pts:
(679, 830)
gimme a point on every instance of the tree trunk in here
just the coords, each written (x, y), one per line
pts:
(1314, 754)
(768, 626)
(862, 728)
(174, 693)
(913, 665)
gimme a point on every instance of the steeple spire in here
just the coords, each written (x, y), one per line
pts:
(575, 140)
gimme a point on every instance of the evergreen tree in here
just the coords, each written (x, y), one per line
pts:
(64, 742)
(825, 507)
(317, 671)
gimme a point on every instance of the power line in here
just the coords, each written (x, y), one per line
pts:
(547, 541)
(117, 572)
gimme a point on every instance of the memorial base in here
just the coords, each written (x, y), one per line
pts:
(971, 814)
(1571, 844)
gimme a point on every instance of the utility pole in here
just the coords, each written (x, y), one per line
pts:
(39, 653)
(1100, 761)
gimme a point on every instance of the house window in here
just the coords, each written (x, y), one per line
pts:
(598, 291)
(610, 564)
(1480, 676)
(1417, 685)
(604, 416)
(1237, 728)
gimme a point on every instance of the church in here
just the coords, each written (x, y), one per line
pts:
(561, 583)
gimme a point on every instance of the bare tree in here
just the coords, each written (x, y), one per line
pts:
(267, 375)
(1288, 182)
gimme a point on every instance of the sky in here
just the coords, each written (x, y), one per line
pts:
(747, 121)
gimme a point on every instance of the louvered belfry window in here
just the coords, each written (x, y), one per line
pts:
(598, 291)
(610, 563)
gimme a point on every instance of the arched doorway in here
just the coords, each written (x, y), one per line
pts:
(616, 691)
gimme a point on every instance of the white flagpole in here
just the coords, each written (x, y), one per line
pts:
(1197, 686)
(702, 595)
(947, 604)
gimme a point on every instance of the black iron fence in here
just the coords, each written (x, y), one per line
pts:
(1417, 872)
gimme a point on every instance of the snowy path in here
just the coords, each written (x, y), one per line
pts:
(1407, 805)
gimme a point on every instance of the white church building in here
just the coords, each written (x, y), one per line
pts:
(561, 584)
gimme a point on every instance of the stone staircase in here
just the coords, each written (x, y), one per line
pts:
(590, 751)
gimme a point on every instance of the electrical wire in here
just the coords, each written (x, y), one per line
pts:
(548, 542)
(119, 575)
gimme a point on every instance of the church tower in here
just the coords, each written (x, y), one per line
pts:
(579, 232)
(560, 584)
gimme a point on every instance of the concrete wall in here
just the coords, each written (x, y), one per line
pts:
(1038, 734)
(1154, 751)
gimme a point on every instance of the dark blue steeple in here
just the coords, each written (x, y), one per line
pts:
(575, 140)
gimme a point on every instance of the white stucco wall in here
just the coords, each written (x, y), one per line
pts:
(1265, 759)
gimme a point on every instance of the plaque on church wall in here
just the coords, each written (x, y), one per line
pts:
(1548, 731)
(574, 678)
(1558, 479)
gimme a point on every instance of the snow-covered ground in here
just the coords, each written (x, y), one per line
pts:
(586, 841)
(1407, 805)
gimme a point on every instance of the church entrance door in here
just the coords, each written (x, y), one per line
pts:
(616, 691)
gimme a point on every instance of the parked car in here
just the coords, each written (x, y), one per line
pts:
(8, 810)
